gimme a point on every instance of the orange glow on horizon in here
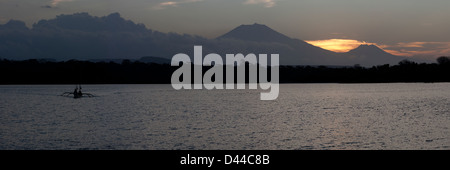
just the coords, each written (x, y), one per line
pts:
(338, 45)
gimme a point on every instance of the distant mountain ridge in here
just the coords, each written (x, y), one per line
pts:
(372, 55)
(82, 36)
(368, 49)
(365, 55)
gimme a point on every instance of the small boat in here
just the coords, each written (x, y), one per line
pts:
(77, 93)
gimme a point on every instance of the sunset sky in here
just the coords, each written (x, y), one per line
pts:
(416, 28)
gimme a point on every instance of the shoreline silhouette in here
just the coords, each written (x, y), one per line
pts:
(35, 71)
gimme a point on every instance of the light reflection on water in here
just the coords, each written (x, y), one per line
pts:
(305, 116)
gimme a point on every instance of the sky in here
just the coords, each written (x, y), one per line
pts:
(418, 28)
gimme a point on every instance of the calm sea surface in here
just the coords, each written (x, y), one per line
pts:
(305, 116)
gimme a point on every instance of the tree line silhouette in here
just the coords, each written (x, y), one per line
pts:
(127, 72)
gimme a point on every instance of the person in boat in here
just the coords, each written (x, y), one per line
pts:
(79, 92)
(76, 93)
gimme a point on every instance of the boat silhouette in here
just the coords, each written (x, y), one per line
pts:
(77, 93)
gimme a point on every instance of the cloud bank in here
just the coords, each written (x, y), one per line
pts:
(167, 4)
(266, 3)
(55, 3)
(420, 49)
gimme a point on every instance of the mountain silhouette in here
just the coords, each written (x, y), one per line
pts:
(367, 55)
(300, 52)
(82, 36)
(363, 49)
(292, 51)
(256, 32)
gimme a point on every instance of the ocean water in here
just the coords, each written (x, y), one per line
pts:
(305, 116)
